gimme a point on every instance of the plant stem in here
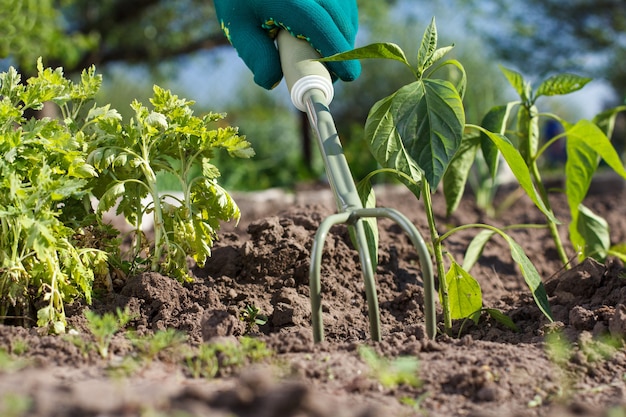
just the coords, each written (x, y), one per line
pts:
(531, 154)
(157, 215)
(554, 231)
(438, 251)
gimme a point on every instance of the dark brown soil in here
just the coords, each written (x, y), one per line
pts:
(488, 370)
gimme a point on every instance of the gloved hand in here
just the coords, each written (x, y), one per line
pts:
(328, 25)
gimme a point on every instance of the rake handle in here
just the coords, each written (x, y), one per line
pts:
(302, 71)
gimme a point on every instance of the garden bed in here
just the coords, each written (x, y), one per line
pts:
(574, 366)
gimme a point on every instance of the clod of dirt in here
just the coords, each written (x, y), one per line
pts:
(581, 281)
(617, 323)
(220, 323)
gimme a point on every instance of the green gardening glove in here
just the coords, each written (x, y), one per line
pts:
(328, 25)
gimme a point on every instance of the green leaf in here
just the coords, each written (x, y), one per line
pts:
(588, 133)
(58, 327)
(561, 84)
(385, 142)
(461, 81)
(475, 248)
(229, 139)
(89, 85)
(428, 47)
(456, 175)
(520, 170)
(10, 84)
(528, 128)
(382, 50)
(517, 82)
(209, 170)
(464, 292)
(502, 318)
(421, 125)
(111, 196)
(585, 143)
(437, 55)
(496, 121)
(370, 224)
(84, 170)
(103, 113)
(594, 231)
(433, 129)
(44, 316)
(531, 276)
(156, 120)
(619, 251)
(66, 188)
(606, 120)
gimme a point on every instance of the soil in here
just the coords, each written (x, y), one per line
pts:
(574, 366)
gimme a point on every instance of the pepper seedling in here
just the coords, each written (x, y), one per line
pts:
(414, 134)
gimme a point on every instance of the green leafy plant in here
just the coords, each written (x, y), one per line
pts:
(166, 139)
(14, 405)
(416, 403)
(415, 134)
(210, 359)
(204, 362)
(587, 351)
(151, 346)
(493, 313)
(391, 373)
(104, 327)
(53, 246)
(586, 143)
(10, 362)
(251, 315)
(44, 186)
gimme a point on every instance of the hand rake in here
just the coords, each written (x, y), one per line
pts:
(311, 91)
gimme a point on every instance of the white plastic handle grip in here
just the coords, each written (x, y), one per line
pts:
(302, 72)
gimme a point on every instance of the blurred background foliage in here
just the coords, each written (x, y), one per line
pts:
(177, 44)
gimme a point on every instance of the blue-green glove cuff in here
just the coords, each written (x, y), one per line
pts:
(330, 26)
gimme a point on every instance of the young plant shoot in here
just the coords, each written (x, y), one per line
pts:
(415, 134)
(586, 143)
(167, 138)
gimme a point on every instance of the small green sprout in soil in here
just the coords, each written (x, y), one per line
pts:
(391, 373)
(19, 346)
(162, 344)
(221, 358)
(14, 405)
(415, 403)
(10, 363)
(251, 315)
(104, 327)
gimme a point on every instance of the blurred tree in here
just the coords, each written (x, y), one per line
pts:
(77, 33)
(33, 28)
(143, 31)
(546, 36)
